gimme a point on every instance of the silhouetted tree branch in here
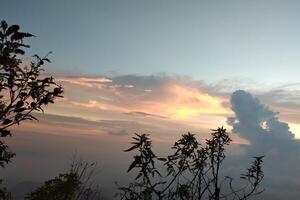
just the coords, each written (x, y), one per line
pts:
(192, 171)
(23, 89)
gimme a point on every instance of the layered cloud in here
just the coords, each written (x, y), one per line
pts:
(156, 95)
(164, 99)
(167, 97)
(99, 114)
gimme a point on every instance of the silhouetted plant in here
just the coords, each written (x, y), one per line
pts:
(191, 172)
(4, 194)
(22, 87)
(76, 184)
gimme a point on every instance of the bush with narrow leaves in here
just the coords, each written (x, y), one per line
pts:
(191, 172)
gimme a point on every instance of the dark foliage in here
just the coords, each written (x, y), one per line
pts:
(62, 187)
(22, 87)
(191, 172)
(76, 184)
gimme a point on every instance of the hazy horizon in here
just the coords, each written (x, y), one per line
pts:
(164, 68)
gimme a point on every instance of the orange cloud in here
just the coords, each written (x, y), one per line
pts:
(101, 106)
(173, 98)
(85, 81)
(167, 105)
(190, 102)
(184, 102)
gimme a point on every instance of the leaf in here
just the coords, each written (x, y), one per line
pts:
(20, 109)
(131, 148)
(133, 164)
(4, 133)
(47, 60)
(162, 159)
(33, 105)
(20, 35)
(12, 29)
(57, 91)
(3, 24)
(32, 117)
(138, 176)
(23, 45)
(19, 51)
(19, 104)
(258, 157)
(23, 94)
(36, 56)
(28, 35)
(138, 139)
(6, 121)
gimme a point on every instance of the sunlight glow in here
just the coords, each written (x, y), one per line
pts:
(295, 128)
(188, 102)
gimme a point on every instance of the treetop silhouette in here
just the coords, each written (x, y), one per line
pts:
(193, 171)
(23, 89)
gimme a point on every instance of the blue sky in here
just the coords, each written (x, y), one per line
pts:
(207, 40)
(163, 67)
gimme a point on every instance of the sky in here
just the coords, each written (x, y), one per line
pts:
(209, 41)
(162, 67)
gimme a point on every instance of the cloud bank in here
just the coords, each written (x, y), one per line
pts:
(268, 136)
(255, 122)
(173, 97)
(99, 114)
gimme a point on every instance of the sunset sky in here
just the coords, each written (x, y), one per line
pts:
(163, 67)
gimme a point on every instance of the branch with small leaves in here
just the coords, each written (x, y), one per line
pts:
(191, 172)
(23, 88)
